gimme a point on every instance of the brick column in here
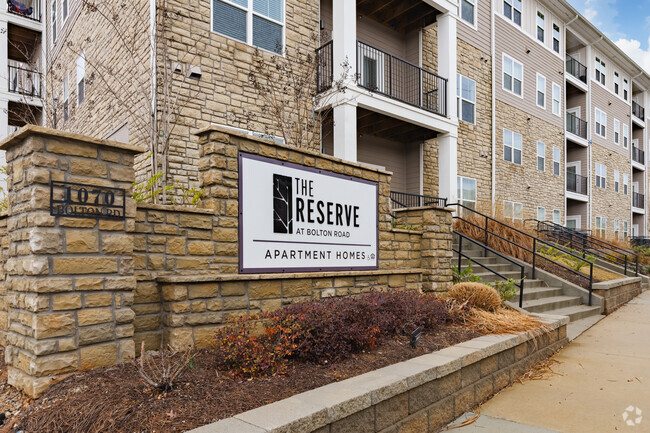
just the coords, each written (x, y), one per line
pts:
(436, 249)
(69, 281)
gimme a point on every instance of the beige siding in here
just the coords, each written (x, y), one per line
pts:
(578, 154)
(479, 37)
(615, 109)
(401, 159)
(577, 208)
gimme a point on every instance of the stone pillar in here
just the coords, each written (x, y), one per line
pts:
(436, 254)
(345, 132)
(69, 281)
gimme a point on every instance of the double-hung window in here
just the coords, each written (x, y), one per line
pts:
(625, 231)
(616, 82)
(625, 183)
(617, 228)
(616, 179)
(466, 93)
(617, 131)
(626, 87)
(601, 123)
(512, 146)
(466, 188)
(81, 80)
(255, 22)
(513, 210)
(601, 71)
(512, 10)
(541, 91)
(66, 98)
(557, 216)
(64, 7)
(541, 156)
(556, 161)
(601, 226)
(601, 176)
(541, 26)
(557, 94)
(626, 134)
(541, 214)
(468, 11)
(556, 38)
(513, 75)
(53, 21)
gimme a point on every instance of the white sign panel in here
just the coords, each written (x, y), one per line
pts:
(294, 218)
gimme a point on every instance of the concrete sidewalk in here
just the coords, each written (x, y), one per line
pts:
(601, 374)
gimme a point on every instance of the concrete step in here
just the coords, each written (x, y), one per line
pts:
(530, 284)
(545, 305)
(489, 277)
(576, 328)
(533, 293)
(475, 259)
(576, 312)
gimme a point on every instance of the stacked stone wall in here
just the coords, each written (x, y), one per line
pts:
(606, 202)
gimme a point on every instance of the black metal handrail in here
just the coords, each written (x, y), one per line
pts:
(32, 12)
(459, 251)
(638, 200)
(528, 254)
(640, 241)
(576, 69)
(638, 155)
(403, 200)
(325, 67)
(24, 81)
(381, 72)
(586, 244)
(638, 110)
(576, 125)
(576, 183)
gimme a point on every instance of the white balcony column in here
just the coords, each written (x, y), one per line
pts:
(344, 36)
(4, 120)
(4, 56)
(448, 167)
(345, 131)
(447, 57)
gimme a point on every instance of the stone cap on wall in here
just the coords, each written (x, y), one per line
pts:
(173, 208)
(27, 130)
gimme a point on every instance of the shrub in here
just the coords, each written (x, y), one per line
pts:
(477, 295)
(464, 276)
(159, 371)
(507, 289)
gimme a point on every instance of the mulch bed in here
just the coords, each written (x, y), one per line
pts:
(116, 400)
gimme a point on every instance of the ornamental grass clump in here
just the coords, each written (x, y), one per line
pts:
(476, 295)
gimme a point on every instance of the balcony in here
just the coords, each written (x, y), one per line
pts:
(576, 69)
(638, 155)
(24, 81)
(576, 125)
(325, 67)
(638, 111)
(576, 183)
(638, 200)
(27, 9)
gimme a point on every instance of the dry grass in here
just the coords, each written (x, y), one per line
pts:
(541, 371)
(477, 295)
(503, 321)
(601, 274)
(494, 240)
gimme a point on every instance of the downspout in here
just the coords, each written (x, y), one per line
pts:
(494, 159)
(154, 77)
(569, 23)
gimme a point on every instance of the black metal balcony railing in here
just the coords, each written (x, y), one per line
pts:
(638, 200)
(24, 81)
(325, 67)
(638, 155)
(401, 200)
(26, 9)
(638, 111)
(384, 73)
(576, 69)
(576, 183)
(576, 125)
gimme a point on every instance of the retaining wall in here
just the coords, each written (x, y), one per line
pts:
(617, 292)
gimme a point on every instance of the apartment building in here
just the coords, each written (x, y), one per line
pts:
(521, 107)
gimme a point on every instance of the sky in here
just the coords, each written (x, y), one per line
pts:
(626, 22)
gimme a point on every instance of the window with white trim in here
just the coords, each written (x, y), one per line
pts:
(626, 134)
(601, 226)
(468, 11)
(513, 210)
(512, 10)
(557, 95)
(626, 88)
(512, 146)
(601, 71)
(601, 123)
(513, 75)
(556, 38)
(53, 21)
(557, 216)
(541, 26)
(466, 96)
(617, 228)
(625, 183)
(625, 230)
(466, 189)
(556, 160)
(66, 98)
(81, 80)
(616, 178)
(541, 214)
(601, 176)
(617, 131)
(541, 91)
(64, 9)
(541, 156)
(256, 22)
(616, 82)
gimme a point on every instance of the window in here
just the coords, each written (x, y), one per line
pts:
(601, 176)
(512, 10)
(556, 38)
(466, 93)
(468, 11)
(64, 7)
(513, 75)
(617, 131)
(66, 97)
(541, 25)
(601, 123)
(616, 180)
(258, 22)
(541, 214)
(541, 155)
(512, 210)
(625, 229)
(541, 91)
(556, 161)
(616, 81)
(601, 71)
(466, 191)
(53, 21)
(601, 226)
(557, 93)
(512, 145)
(557, 216)
(625, 183)
(81, 82)
(625, 88)
(626, 134)
(616, 228)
